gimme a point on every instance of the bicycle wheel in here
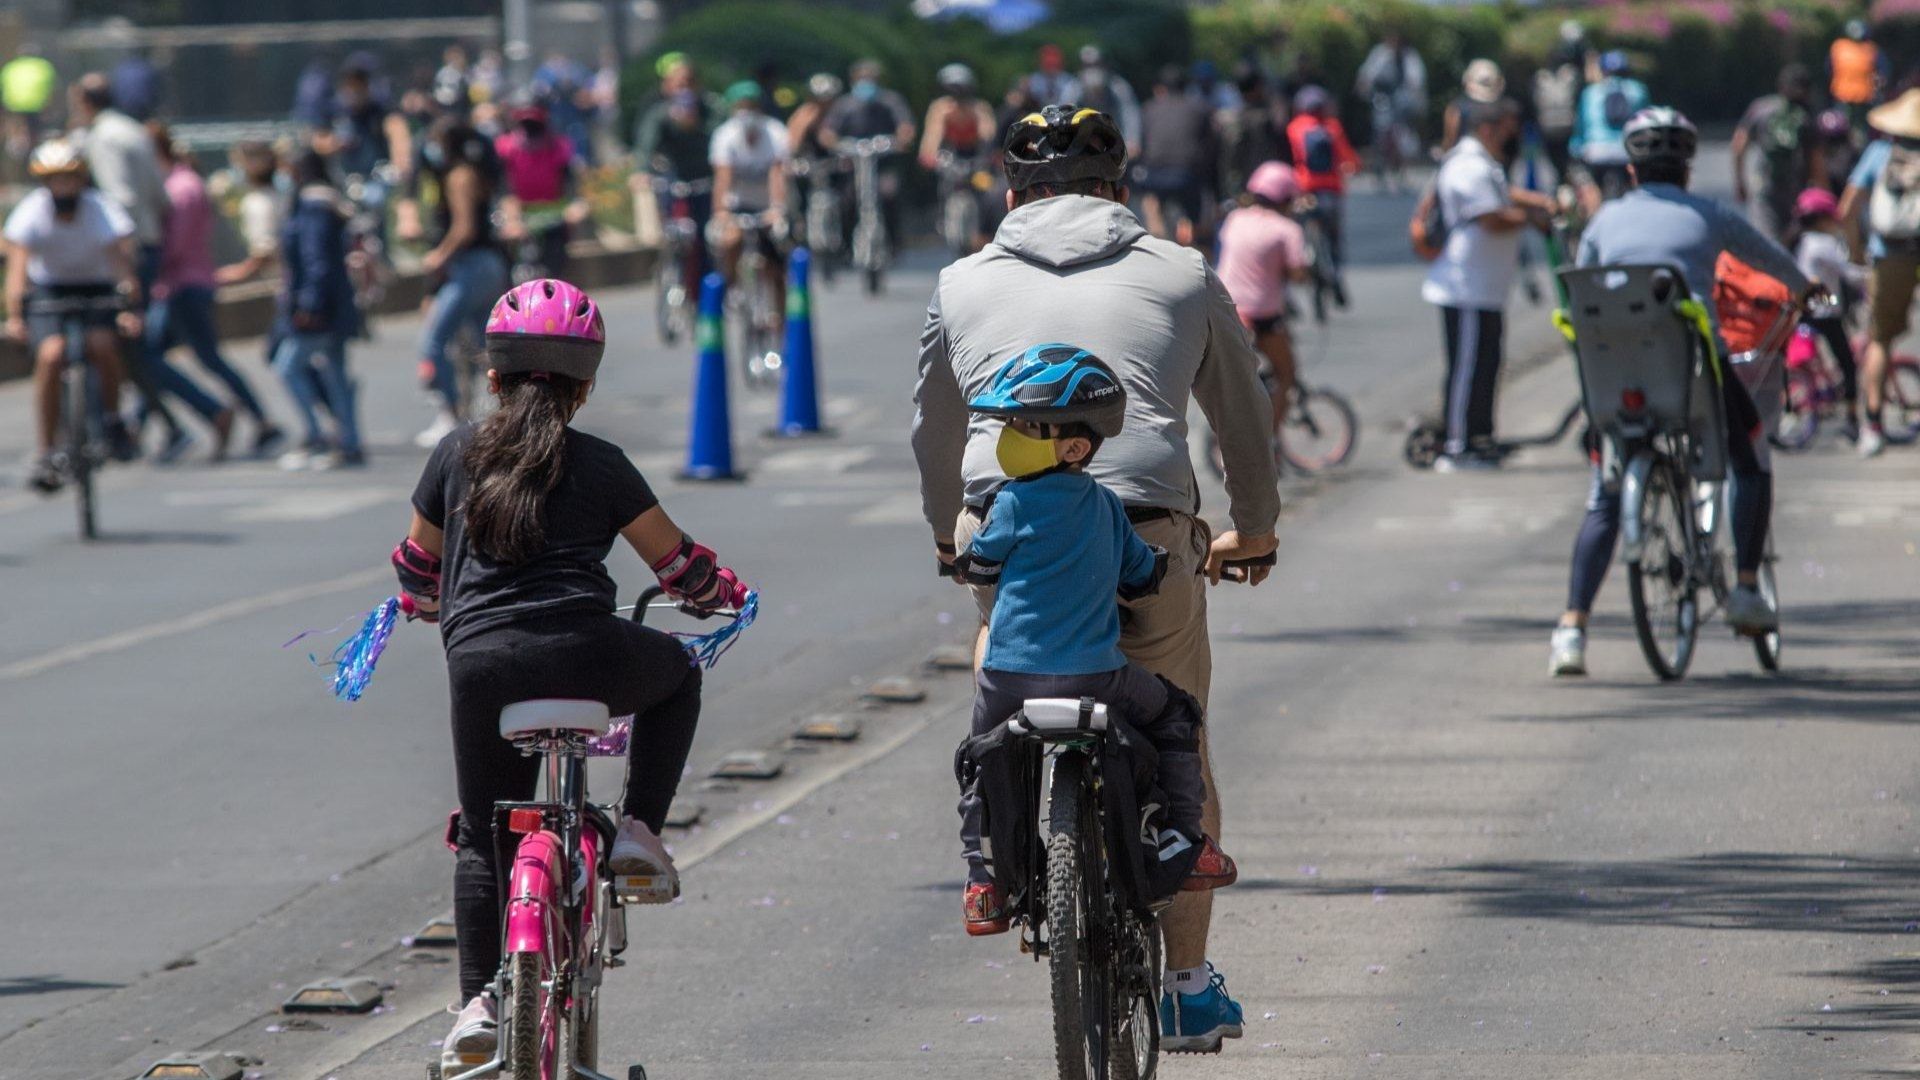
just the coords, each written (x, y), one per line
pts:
(81, 443)
(1800, 420)
(1077, 952)
(532, 1022)
(1423, 444)
(1660, 581)
(668, 294)
(1134, 1051)
(1766, 647)
(1321, 430)
(1900, 416)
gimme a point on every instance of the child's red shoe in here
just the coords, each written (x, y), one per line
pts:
(1214, 869)
(985, 908)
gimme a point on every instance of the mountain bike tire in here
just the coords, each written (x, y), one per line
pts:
(1664, 562)
(1133, 1052)
(1081, 1011)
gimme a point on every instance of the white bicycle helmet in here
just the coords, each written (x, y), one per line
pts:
(1660, 134)
(956, 78)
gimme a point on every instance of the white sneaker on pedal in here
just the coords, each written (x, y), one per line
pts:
(474, 1040)
(643, 872)
(441, 427)
(1569, 651)
(1871, 441)
(1750, 613)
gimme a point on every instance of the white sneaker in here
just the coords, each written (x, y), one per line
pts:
(474, 1040)
(1569, 651)
(1750, 613)
(300, 460)
(441, 427)
(643, 872)
(1871, 442)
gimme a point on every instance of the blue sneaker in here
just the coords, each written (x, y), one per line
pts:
(1197, 1023)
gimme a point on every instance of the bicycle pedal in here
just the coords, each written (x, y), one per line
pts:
(644, 888)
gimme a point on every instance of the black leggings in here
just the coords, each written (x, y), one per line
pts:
(1752, 505)
(1834, 332)
(635, 670)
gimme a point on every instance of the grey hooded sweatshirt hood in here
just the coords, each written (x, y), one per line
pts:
(1081, 271)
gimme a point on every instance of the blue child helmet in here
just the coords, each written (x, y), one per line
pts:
(1056, 384)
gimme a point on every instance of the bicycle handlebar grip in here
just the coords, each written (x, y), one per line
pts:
(1244, 566)
(946, 569)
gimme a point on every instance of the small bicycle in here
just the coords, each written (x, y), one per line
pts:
(565, 924)
(752, 309)
(1813, 395)
(872, 247)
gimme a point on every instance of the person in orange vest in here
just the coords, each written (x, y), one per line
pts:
(1857, 71)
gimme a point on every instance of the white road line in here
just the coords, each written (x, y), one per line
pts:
(140, 635)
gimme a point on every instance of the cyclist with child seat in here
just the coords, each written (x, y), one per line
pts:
(66, 240)
(513, 519)
(1072, 262)
(1262, 250)
(1057, 549)
(1661, 222)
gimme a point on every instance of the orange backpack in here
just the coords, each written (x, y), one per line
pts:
(1748, 302)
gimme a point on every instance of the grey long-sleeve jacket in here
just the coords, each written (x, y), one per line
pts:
(1081, 270)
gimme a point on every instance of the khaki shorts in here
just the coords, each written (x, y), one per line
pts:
(1890, 295)
(1166, 633)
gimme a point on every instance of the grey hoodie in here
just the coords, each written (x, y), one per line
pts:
(1080, 270)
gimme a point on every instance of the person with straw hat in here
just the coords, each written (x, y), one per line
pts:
(1885, 184)
(1480, 84)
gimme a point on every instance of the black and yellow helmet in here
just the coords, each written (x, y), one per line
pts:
(1064, 143)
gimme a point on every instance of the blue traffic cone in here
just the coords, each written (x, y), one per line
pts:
(799, 392)
(710, 441)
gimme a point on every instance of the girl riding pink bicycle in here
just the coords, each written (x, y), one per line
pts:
(513, 519)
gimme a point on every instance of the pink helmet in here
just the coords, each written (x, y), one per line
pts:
(1816, 202)
(1275, 182)
(546, 325)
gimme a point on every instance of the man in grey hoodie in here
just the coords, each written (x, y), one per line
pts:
(1071, 263)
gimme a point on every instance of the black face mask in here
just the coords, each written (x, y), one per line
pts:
(532, 129)
(66, 205)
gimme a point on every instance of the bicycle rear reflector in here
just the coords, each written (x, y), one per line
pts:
(335, 996)
(525, 821)
(1633, 399)
(195, 1067)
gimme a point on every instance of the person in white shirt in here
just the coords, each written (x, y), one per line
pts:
(1470, 279)
(65, 241)
(749, 157)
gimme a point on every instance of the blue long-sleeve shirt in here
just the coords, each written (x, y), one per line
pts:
(1063, 547)
(1664, 224)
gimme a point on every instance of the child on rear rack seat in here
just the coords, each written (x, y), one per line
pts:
(1058, 548)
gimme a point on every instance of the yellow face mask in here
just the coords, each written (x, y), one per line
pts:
(1023, 455)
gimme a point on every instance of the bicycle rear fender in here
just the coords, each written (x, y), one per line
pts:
(1633, 491)
(534, 892)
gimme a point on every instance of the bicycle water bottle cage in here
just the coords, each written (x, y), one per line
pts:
(554, 716)
(1060, 716)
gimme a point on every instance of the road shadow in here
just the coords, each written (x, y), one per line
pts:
(1769, 891)
(166, 537)
(1893, 1004)
(28, 985)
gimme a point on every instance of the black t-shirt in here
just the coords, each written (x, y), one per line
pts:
(600, 492)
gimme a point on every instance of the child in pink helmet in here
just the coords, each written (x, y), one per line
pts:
(513, 519)
(1262, 250)
(1821, 250)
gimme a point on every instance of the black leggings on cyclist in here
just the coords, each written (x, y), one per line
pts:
(634, 669)
(1833, 331)
(1752, 490)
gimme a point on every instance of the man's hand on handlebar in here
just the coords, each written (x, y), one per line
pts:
(946, 552)
(1234, 546)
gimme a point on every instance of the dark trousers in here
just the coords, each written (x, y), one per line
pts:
(634, 669)
(1474, 340)
(1833, 330)
(1134, 694)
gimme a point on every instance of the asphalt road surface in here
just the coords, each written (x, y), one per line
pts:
(1451, 865)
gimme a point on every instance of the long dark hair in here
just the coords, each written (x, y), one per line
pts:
(514, 462)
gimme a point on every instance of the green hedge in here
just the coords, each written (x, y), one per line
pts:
(729, 38)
